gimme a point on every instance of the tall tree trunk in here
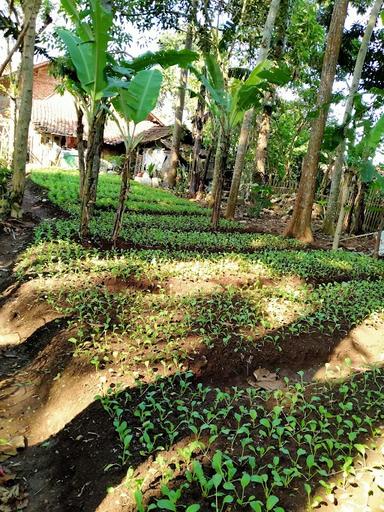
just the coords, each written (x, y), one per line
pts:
(31, 10)
(12, 129)
(178, 126)
(245, 127)
(269, 98)
(262, 145)
(80, 146)
(15, 47)
(223, 156)
(331, 212)
(199, 125)
(351, 211)
(300, 224)
(359, 209)
(327, 173)
(379, 236)
(92, 168)
(205, 170)
(238, 169)
(124, 188)
(94, 158)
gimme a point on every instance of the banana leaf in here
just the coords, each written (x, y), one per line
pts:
(140, 96)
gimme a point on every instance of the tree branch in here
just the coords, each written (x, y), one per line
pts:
(19, 40)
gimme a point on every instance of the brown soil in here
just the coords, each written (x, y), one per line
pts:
(318, 355)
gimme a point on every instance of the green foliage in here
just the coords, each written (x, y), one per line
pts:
(139, 97)
(143, 313)
(260, 197)
(63, 191)
(164, 58)
(5, 175)
(288, 139)
(228, 103)
(134, 101)
(367, 148)
(88, 46)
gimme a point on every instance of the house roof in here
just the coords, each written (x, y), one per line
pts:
(156, 133)
(57, 115)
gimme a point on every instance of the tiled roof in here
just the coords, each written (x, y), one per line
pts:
(156, 133)
(57, 115)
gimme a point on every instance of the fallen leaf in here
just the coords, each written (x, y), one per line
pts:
(12, 498)
(266, 380)
(9, 447)
(6, 477)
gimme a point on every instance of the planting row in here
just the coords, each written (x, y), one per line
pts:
(148, 237)
(244, 448)
(63, 256)
(63, 190)
(138, 326)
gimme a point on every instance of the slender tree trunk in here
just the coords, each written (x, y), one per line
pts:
(124, 188)
(92, 168)
(351, 211)
(12, 129)
(300, 224)
(340, 221)
(325, 180)
(378, 239)
(269, 98)
(178, 126)
(248, 116)
(15, 47)
(216, 166)
(330, 215)
(205, 170)
(238, 169)
(359, 209)
(80, 146)
(93, 160)
(31, 10)
(199, 125)
(224, 147)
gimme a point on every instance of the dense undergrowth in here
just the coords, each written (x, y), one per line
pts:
(180, 299)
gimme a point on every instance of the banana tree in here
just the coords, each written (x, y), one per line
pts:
(135, 91)
(133, 103)
(87, 46)
(227, 105)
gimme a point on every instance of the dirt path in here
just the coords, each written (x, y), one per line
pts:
(16, 237)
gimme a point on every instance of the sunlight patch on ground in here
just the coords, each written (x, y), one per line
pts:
(164, 467)
(362, 347)
(363, 489)
(24, 313)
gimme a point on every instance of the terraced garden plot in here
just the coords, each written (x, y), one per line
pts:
(188, 370)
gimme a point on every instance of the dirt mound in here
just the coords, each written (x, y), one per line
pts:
(23, 313)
